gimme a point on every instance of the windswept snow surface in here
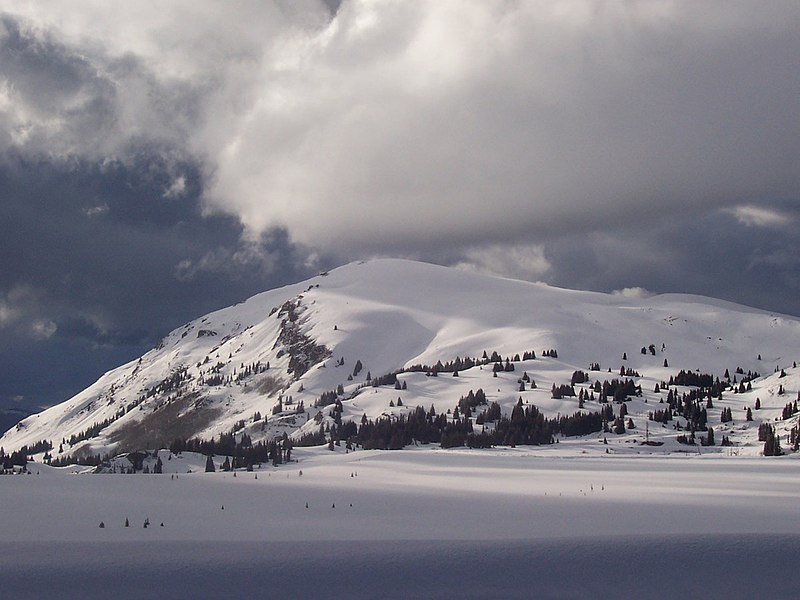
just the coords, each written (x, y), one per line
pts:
(415, 523)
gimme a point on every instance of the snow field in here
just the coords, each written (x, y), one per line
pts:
(508, 523)
(420, 493)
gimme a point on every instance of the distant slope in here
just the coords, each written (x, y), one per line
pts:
(218, 373)
(11, 416)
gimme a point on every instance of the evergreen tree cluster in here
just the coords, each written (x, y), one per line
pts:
(772, 441)
(170, 383)
(661, 416)
(694, 379)
(628, 372)
(83, 459)
(20, 457)
(462, 364)
(499, 367)
(579, 377)
(388, 379)
(794, 438)
(746, 377)
(92, 431)
(709, 439)
(617, 389)
(459, 364)
(526, 425)
(418, 425)
(693, 405)
(357, 368)
(491, 414)
(466, 404)
(248, 371)
(326, 399)
(561, 391)
(244, 453)
(789, 410)
(696, 416)
(314, 438)
(213, 377)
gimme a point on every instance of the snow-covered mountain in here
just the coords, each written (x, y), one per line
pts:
(274, 364)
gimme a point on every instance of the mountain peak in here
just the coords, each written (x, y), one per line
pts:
(268, 366)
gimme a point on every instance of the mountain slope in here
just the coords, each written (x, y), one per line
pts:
(221, 372)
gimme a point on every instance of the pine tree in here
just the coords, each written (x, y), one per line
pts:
(210, 464)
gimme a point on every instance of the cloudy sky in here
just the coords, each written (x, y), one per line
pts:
(159, 160)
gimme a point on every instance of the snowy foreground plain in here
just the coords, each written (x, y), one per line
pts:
(418, 523)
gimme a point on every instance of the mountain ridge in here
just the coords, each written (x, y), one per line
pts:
(285, 348)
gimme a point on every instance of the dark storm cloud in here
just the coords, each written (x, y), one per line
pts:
(112, 282)
(718, 255)
(103, 241)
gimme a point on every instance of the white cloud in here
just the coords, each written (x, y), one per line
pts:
(20, 308)
(247, 258)
(42, 329)
(412, 125)
(8, 314)
(759, 216)
(526, 262)
(96, 211)
(176, 189)
(490, 121)
(633, 292)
